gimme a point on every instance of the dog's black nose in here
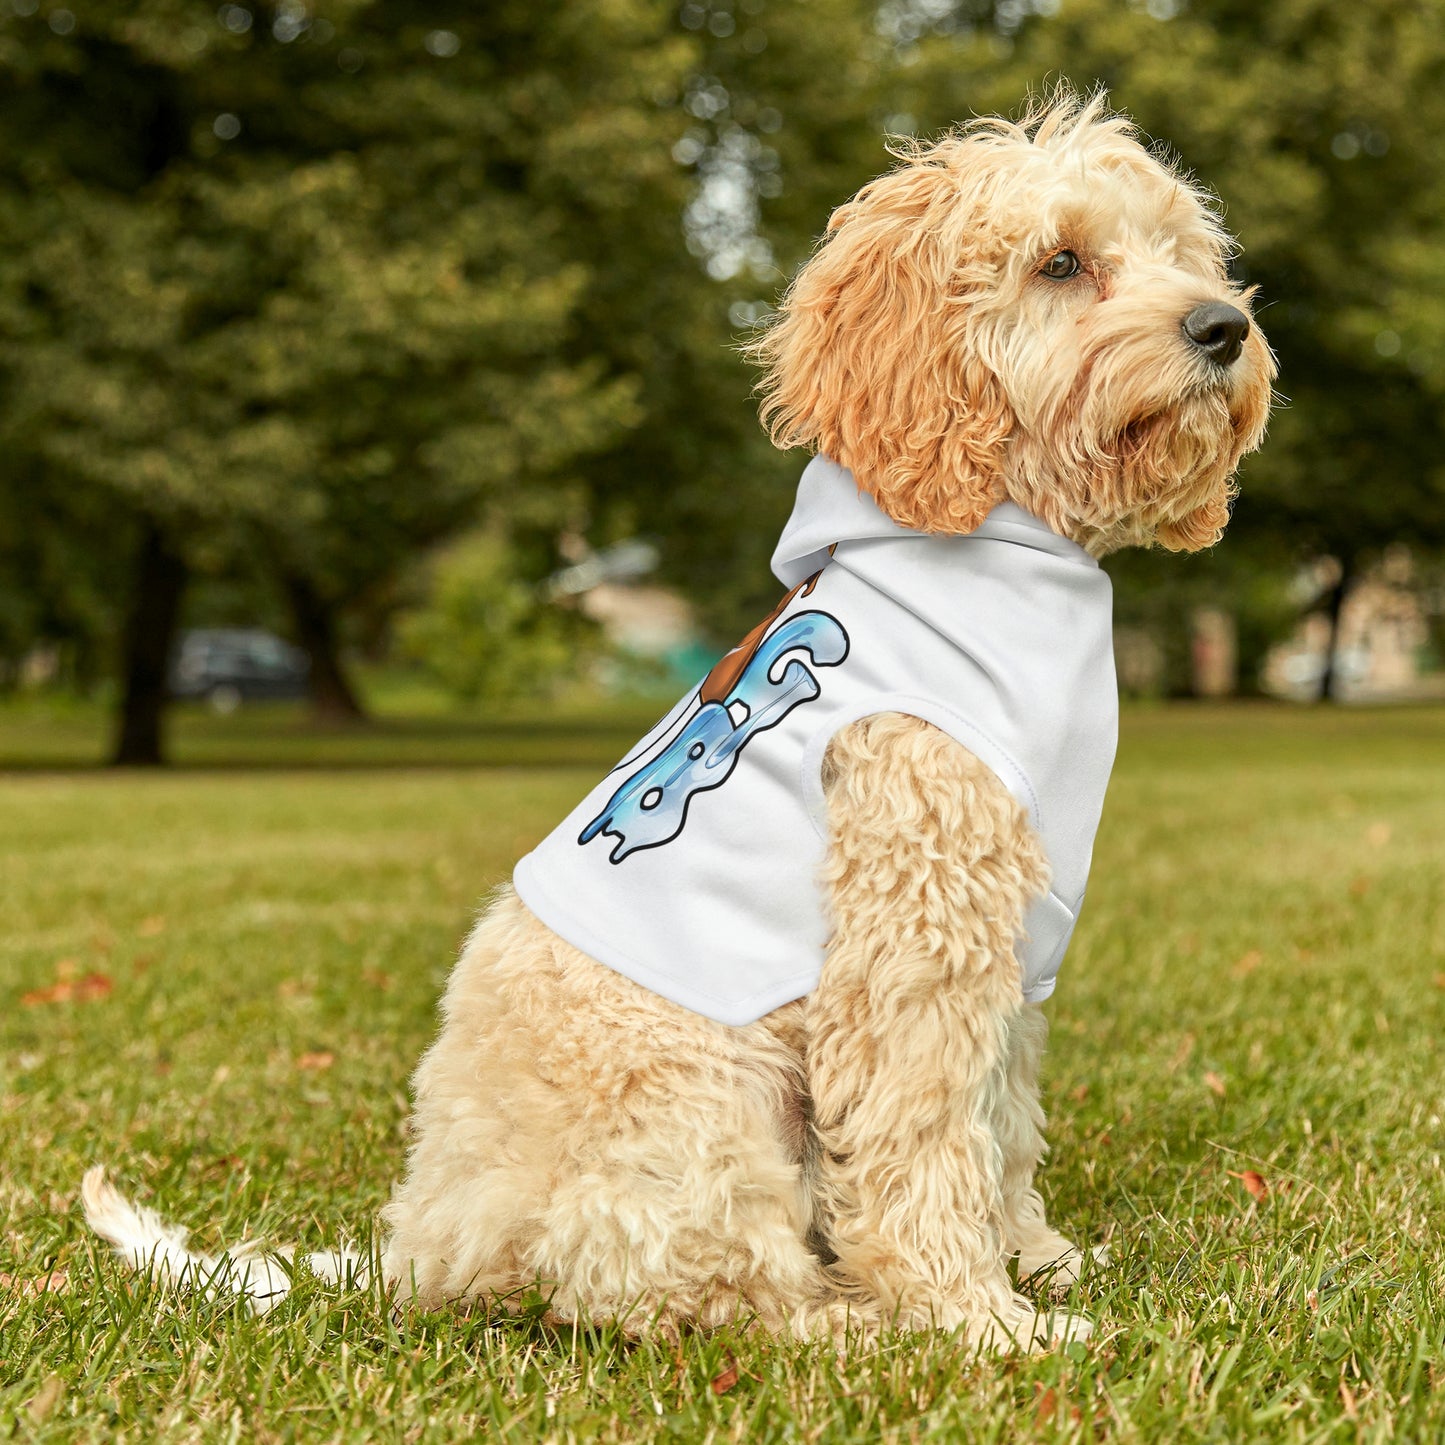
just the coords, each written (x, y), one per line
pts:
(1218, 331)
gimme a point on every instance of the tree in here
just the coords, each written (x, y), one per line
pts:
(778, 118)
(311, 287)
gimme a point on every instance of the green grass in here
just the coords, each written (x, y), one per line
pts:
(409, 729)
(1256, 985)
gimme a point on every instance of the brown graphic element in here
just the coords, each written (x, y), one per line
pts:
(731, 665)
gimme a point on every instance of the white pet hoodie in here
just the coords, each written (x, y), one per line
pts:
(693, 866)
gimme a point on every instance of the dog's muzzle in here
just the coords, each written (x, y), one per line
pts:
(1218, 330)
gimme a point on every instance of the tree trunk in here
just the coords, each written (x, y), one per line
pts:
(1329, 679)
(333, 699)
(150, 631)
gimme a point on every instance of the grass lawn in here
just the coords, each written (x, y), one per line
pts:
(216, 981)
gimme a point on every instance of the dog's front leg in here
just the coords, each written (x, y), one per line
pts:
(1043, 1253)
(931, 864)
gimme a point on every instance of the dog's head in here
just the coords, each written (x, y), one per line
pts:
(1036, 311)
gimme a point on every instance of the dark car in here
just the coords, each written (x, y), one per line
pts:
(231, 665)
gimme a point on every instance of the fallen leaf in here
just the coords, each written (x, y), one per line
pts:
(1047, 1407)
(56, 1282)
(1359, 886)
(1080, 1094)
(1248, 963)
(377, 978)
(320, 1059)
(724, 1382)
(83, 990)
(1214, 1083)
(151, 927)
(1440, 980)
(1254, 1182)
(56, 993)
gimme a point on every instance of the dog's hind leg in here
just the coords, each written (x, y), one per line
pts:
(578, 1135)
(485, 1127)
(1043, 1253)
(930, 867)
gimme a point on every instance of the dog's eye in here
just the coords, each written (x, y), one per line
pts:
(1060, 266)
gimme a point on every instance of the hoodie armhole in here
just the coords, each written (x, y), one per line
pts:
(999, 760)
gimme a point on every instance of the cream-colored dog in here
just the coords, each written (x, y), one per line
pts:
(1037, 313)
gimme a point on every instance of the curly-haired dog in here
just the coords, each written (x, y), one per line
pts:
(774, 1051)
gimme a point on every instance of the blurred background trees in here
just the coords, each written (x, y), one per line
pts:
(292, 295)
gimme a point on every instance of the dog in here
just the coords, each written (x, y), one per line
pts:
(700, 1065)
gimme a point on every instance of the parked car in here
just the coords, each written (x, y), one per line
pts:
(230, 665)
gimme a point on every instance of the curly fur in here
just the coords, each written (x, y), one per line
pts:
(921, 348)
(865, 1156)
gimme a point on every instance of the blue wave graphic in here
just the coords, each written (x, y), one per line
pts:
(650, 808)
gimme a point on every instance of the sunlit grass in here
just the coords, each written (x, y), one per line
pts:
(1258, 985)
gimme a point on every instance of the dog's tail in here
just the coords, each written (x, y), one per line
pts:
(147, 1243)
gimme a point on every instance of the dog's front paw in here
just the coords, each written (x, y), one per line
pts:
(1023, 1326)
(1060, 1327)
(1056, 1267)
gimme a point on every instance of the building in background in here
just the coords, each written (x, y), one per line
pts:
(652, 630)
(1382, 650)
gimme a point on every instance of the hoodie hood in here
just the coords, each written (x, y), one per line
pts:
(830, 509)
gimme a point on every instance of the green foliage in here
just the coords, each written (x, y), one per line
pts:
(61, 567)
(319, 285)
(777, 119)
(485, 633)
(310, 285)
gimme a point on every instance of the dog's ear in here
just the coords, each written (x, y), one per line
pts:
(874, 359)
